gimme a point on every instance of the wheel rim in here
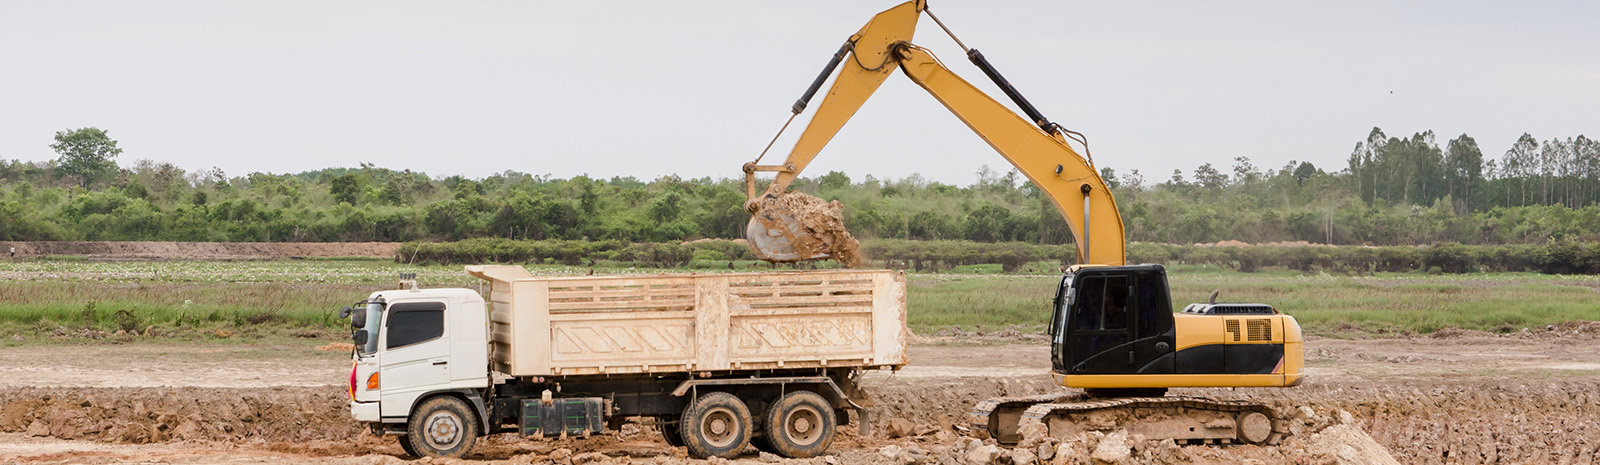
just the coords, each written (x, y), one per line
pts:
(442, 430)
(803, 425)
(720, 427)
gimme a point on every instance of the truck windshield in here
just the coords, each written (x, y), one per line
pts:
(374, 321)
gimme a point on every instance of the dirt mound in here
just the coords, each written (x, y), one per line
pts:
(134, 250)
(1510, 421)
(142, 415)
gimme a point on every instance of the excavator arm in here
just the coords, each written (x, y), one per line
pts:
(1038, 149)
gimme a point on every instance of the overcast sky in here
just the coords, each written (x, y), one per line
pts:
(696, 88)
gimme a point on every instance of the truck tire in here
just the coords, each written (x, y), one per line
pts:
(800, 425)
(716, 424)
(443, 426)
(405, 445)
(670, 432)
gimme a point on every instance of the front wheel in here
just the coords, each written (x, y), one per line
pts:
(405, 445)
(716, 424)
(442, 427)
(800, 425)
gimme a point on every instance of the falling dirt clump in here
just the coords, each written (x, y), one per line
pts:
(823, 221)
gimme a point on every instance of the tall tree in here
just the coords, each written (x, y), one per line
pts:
(1302, 172)
(1370, 157)
(1520, 161)
(1208, 177)
(1357, 163)
(86, 153)
(1463, 169)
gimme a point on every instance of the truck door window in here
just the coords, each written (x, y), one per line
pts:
(374, 311)
(414, 322)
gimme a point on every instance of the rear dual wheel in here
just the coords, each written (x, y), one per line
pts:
(716, 424)
(671, 432)
(800, 425)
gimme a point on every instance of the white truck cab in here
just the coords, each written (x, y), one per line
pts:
(414, 345)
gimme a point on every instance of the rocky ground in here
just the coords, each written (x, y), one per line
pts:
(1456, 397)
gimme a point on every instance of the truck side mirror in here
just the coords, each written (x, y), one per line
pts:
(360, 337)
(358, 319)
(344, 312)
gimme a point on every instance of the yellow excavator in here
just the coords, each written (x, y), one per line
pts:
(1113, 331)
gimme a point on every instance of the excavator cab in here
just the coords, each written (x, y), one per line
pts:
(1113, 332)
(1113, 320)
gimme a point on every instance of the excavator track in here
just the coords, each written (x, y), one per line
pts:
(1195, 420)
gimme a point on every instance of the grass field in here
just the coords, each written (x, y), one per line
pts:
(260, 298)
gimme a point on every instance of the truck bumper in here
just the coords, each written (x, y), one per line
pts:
(364, 411)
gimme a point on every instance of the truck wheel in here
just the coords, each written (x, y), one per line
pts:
(716, 424)
(442, 427)
(670, 432)
(405, 445)
(800, 425)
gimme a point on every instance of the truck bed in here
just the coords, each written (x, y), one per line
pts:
(711, 322)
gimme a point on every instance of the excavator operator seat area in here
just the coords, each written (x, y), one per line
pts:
(1113, 320)
(1113, 327)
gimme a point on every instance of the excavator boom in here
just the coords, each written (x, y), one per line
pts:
(1038, 149)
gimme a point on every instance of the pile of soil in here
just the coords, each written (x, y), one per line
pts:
(136, 250)
(144, 415)
(1423, 422)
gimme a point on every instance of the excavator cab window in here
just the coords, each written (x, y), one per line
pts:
(1102, 304)
(1059, 306)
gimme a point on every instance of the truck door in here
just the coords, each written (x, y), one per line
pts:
(415, 355)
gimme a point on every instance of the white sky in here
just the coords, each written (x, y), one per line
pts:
(696, 88)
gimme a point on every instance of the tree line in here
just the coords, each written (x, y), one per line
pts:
(942, 255)
(1393, 191)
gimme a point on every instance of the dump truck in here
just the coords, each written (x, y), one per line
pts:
(716, 361)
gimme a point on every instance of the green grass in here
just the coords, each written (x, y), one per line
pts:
(936, 302)
(1324, 305)
(276, 297)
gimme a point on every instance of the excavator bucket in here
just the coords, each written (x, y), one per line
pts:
(793, 226)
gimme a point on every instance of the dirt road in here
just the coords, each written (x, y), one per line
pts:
(1457, 397)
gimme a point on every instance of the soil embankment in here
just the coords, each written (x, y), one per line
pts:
(145, 250)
